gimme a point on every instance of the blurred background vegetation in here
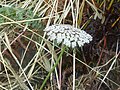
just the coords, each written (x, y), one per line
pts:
(26, 55)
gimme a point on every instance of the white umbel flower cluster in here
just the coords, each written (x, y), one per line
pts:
(68, 35)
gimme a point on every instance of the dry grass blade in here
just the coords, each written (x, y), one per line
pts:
(7, 67)
(17, 61)
(111, 66)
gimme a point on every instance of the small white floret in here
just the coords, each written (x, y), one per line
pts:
(49, 33)
(59, 38)
(73, 44)
(71, 39)
(61, 30)
(80, 43)
(66, 42)
(52, 36)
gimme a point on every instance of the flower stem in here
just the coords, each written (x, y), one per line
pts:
(57, 61)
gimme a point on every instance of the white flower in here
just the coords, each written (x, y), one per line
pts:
(49, 33)
(52, 36)
(76, 39)
(67, 34)
(56, 30)
(61, 30)
(72, 39)
(73, 44)
(59, 38)
(66, 42)
(80, 43)
(63, 35)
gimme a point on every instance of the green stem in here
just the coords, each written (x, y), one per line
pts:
(57, 61)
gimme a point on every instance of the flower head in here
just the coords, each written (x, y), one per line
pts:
(67, 34)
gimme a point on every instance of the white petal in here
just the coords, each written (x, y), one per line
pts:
(67, 27)
(61, 30)
(65, 31)
(89, 37)
(82, 40)
(56, 30)
(72, 35)
(71, 38)
(73, 32)
(68, 37)
(80, 43)
(76, 39)
(59, 40)
(49, 33)
(46, 29)
(76, 35)
(59, 35)
(66, 42)
(73, 44)
(67, 34)
(52, 36)
(63, 35)
(86, 41)
(70, 32)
